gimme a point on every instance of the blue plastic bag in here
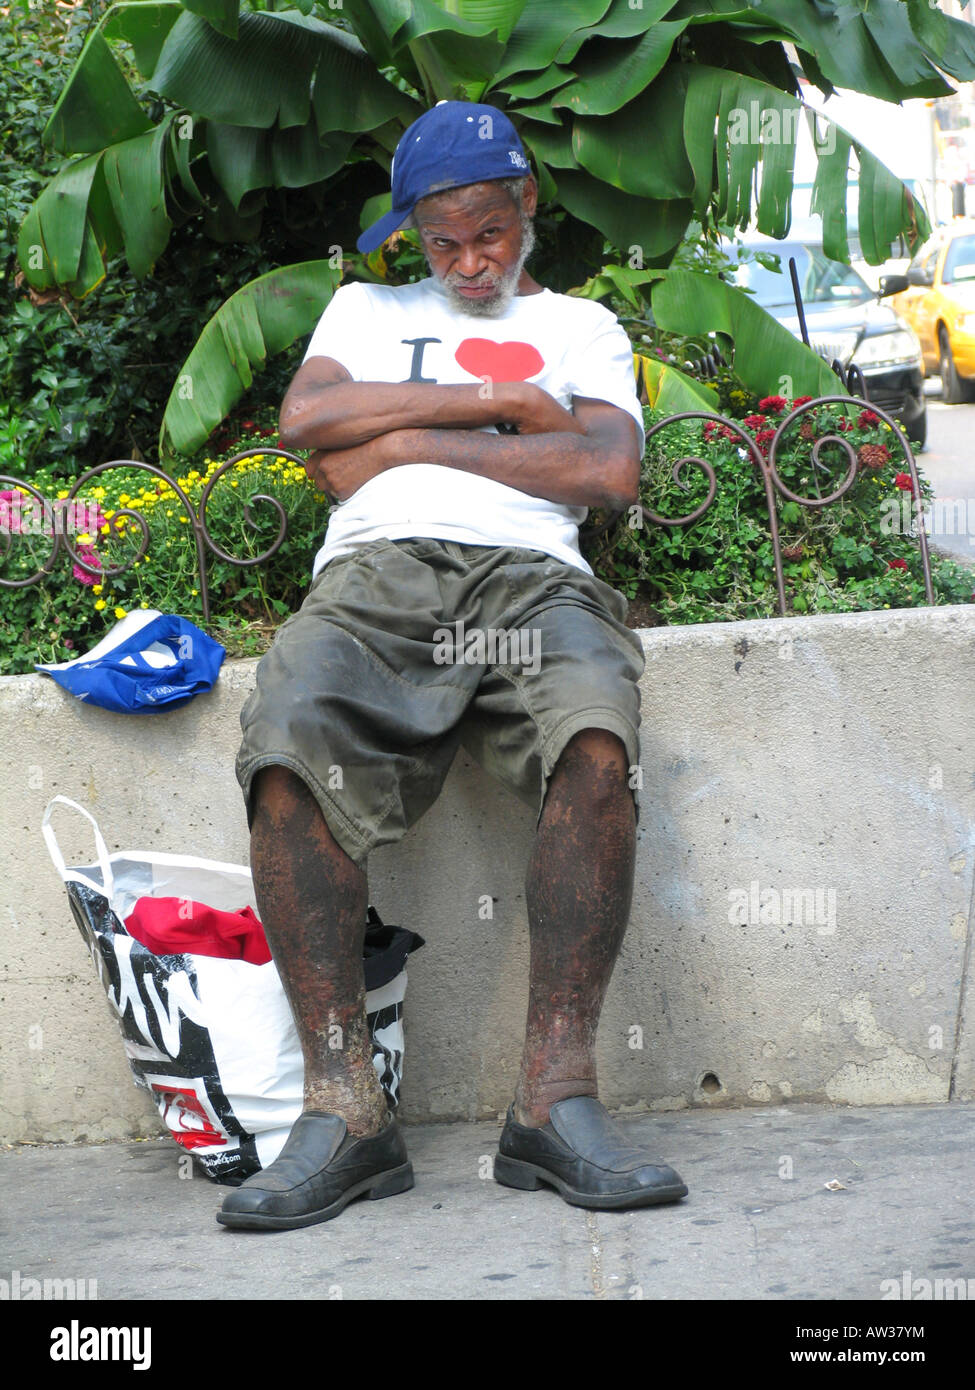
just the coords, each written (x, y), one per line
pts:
(148, 663)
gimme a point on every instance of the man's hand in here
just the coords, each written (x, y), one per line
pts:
(341, 472)
(534, 411)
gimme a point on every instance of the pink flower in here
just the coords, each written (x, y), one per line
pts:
(11, 506)
(90, 557)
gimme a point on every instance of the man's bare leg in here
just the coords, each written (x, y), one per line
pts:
(579, 889)
(312, 900)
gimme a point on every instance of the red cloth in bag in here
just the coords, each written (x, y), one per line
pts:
(178, 926)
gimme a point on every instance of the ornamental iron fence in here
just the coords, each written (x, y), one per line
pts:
(56, 521)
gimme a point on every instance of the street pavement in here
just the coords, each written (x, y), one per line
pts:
(797, 1202)
(948, 461)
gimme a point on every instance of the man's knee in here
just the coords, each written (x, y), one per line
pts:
(277, 790)
(594, 764)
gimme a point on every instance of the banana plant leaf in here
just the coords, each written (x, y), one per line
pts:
(669, 389)
(97, 107)
(144, 24)
(693, 304)
(222, 14)
(262, 319)
(135, 173)
(70, 231)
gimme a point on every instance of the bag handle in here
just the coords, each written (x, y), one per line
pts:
(54, 849)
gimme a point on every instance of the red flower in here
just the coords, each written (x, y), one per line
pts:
(763, 438)
(773, 404)
(727, 432)
(754, 422)
(247, 424)
(904, 482)
(873, 455)
(897, 564)
(866, 418)
(800, 400)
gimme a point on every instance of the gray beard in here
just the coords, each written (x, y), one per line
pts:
(506, 286)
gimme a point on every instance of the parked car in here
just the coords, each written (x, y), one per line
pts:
(938, 302)
(846, 322)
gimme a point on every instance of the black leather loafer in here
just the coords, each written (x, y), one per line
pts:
(584, 1154)
(318, 1172)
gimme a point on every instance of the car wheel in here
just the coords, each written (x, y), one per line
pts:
(954, 389)
(918, 433)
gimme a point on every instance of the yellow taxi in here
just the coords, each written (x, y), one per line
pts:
(939, 304)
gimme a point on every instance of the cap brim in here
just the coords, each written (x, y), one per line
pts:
(376, 234)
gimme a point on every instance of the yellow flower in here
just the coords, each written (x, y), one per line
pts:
(62, 495)
(85, 539)
(120, 613)
(97, 588)
(100, 604)
(185, 520)
(143, 605)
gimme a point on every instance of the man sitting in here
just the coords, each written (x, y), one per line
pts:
(464, 425)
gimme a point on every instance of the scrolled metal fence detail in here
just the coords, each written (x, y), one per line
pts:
(60, 515)
(766, 464)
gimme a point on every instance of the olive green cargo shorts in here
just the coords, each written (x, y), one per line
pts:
(405, 650)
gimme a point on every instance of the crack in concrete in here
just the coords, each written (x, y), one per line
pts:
(595, 1256)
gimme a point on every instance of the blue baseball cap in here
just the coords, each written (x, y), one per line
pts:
(453, 144)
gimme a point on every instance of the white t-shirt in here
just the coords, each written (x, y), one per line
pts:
(568, 346)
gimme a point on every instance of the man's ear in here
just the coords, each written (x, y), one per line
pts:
(529, 200)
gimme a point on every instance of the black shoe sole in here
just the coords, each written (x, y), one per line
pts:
(528, 1177)
(379, 1185)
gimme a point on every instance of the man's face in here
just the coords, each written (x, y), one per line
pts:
(476, 242)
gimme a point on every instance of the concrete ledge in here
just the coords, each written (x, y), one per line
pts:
(828, 759)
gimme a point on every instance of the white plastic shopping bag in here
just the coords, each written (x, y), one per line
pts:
(212, 1038)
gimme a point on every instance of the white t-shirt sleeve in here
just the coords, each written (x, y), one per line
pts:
(342, 332)
(599, 365)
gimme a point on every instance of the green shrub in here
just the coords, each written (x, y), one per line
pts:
(856, 553)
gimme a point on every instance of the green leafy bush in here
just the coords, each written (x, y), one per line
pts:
(68, 612)
(859, 552)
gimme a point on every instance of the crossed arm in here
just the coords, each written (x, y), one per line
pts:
(587, 457)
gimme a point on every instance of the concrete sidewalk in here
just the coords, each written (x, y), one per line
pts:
(760, 1221)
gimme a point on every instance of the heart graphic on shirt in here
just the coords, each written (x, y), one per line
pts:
(499, 361)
